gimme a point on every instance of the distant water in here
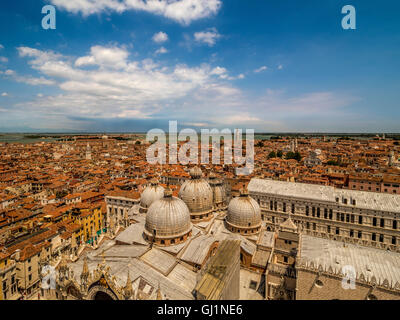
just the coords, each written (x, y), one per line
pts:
(22, 138)
(27, 138)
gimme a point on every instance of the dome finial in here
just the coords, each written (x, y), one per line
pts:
(243, 192)
(168, 193)
(196, 172)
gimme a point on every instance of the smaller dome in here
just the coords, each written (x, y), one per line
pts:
(198, 196)
(219, 192)
(151, 193)
(244, 214)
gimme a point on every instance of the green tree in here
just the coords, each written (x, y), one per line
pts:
(333, 163)
(272, 154)
(289, 155)
(279, 154)
(293, 155)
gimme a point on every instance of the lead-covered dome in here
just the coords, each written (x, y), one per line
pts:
(244, 214)
(219, 192)
(151, 193)
(168, 220)
(198, 196)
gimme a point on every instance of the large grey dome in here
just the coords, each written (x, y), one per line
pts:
(197, 194)
(168, 218)
(244, 214)
(152, 193)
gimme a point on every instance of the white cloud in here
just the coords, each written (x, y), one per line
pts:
(3, 59)
(241, 118)
(263, 68)
(222, 73)
(280, 67)
(147, 89)
(197, 124)
(27, 79)
(9, 72)
(182, 11)
(162, 50)
(4, 94)
(209, 36)
(1, 46)
(113, 57)
(35, 81)
(219, 71)
(160, 37)
(115, 86)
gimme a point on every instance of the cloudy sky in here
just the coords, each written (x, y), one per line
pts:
(132, 65)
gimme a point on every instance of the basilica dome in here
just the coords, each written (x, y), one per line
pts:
(219, 192)
(152, 193)
(198, 196)
(244, 214)
(168, 221)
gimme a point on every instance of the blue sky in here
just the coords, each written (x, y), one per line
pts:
(132, 65)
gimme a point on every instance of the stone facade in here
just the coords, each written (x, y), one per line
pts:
(341, 220)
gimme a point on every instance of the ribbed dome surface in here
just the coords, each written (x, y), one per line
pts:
(244, 212)
(219, 194)
(197, 193)
(168, 217)
(152, 193)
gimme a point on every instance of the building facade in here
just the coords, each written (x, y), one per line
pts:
(364, 218)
